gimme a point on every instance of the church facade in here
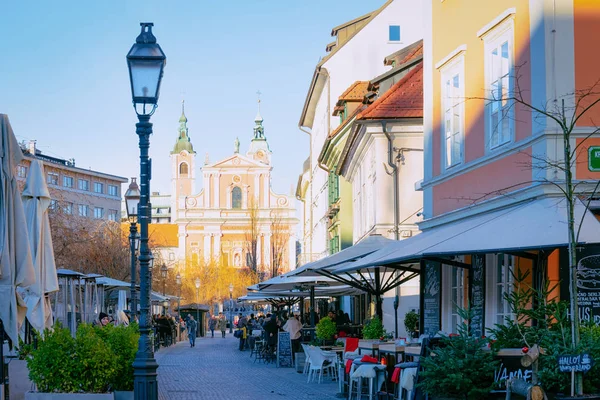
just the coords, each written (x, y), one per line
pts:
(235, 219)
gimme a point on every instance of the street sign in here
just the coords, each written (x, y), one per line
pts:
(594, 158)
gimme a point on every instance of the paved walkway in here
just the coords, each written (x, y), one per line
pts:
(215, 369)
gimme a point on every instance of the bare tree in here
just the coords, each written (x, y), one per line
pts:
(561, 114)
(252, 236)
(279, 239)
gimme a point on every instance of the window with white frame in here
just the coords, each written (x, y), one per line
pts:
(68, 181)
(113, 190)
(52, 178)
(113, 215)
(504, 282)
(457, 279)
(53, 205)
(453, 111)
(98, 187)
(363, 188)
(84, 184)
(21, 171)
(68, 208)
(98, 212)
(499, 80)
(83, 210)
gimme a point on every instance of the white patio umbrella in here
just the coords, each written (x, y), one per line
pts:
(36, 201)
(16, 265)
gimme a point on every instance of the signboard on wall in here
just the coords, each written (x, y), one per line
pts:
(588, 282)
(594, 158)
(431, 298)
(477, 295)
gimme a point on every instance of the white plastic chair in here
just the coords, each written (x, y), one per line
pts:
(319, 362)
(306, 358)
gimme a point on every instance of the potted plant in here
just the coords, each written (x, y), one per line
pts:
(373, 329)
(460, 368)
(325, 330)
(93, 364)
(411, 323)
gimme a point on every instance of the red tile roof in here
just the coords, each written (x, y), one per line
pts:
(355, 92)
(403, 100)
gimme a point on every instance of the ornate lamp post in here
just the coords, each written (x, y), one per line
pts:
(146, 62)
(197, 282)
(178, 281)
(231, 308)
(132, 200)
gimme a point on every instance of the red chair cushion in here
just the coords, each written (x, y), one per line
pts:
(368, 359)
(396, 375)
(351, 344)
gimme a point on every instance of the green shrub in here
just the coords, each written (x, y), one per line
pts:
(411, 321)
(123, 341)
(460, 367)
(326, 328)
(97, 360)
(373, 329)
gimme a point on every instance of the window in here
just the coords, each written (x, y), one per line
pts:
(21, 171)
(98, 187)
(394, 33)
(334, 244)
(183, 169)
(458, 296)
(113, 190)
(83, 210)
(453, 111)
(53, 205)
(98, 212)
(52, 178)
(113, 215)
(504, 285)
(68, 208)
(500, 85)
(68, 181)
(84, 184)
(236, 197)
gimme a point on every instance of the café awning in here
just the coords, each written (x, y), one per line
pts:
(539, 224)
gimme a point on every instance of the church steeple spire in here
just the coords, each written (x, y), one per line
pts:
(259, 130)
(183, 141)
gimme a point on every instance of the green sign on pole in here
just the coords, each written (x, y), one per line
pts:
(594, 158)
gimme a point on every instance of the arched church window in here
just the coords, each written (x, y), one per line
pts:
(236, 197)
(183, 169)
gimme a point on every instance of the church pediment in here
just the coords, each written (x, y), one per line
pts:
(236, 161)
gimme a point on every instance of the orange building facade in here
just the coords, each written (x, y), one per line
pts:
(495, 75)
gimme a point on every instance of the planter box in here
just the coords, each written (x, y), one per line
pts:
(18, 376)
(124, 395)
(68, 396)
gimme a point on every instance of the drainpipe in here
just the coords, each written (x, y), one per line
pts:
(395, 178)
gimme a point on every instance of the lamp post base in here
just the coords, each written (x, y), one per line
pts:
(145, 385)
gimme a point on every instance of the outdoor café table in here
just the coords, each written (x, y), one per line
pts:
(372, 346)
(393, 354)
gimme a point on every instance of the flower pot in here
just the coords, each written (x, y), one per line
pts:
(19, 379)
(68, 396)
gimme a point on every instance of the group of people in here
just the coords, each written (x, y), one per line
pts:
(269, 326)
(217, 323)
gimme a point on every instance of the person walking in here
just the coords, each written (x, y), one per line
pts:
(212, 324)
(222, 324)
(192, 325)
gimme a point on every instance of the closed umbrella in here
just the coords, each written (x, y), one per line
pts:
(36, 202)
(15, 254)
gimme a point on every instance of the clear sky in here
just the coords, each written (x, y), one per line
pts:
(64, 79)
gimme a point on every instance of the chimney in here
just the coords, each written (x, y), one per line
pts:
(32, 147)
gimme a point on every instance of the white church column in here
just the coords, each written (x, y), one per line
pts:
(206, 250)
(207, 190)
(245, 190)
(228, 197)
(266, 194)
(217, 246)
(292, 252)
(181, 248)
(258, 250)
(267, 251)
(256, 190)
(217, 202)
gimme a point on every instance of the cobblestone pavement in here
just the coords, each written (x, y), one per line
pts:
(215, 369)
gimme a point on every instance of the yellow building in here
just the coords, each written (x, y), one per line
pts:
(235, 219)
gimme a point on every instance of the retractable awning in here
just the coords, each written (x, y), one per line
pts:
(532, 225)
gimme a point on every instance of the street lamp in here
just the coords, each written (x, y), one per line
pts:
(132, 200)
(230, 308)
(178, 281)
(197, 282)
(165, 306)
(163, 273)
(146, 62)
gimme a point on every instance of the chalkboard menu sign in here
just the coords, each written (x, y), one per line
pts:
(284, 350)
(577, 363)
(477, 293)
(588, 282)
(431, 297)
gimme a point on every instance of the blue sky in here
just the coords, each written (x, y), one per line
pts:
(64, 80)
